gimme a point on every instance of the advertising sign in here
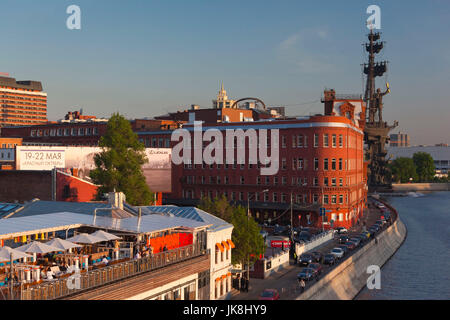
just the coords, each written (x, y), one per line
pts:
(80, 161)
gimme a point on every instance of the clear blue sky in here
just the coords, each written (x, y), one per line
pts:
(145, 58)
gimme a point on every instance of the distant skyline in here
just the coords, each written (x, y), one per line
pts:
(145, 58)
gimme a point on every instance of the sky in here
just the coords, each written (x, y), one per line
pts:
(144, 58)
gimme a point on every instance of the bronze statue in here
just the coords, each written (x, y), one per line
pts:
(379, 101)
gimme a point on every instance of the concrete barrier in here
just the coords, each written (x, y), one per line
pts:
(349, 277)
(314, 243)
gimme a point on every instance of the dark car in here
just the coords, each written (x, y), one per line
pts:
(280, 230)
(316, 266)
(317, 256)
(305, 259)
(356, 240)
(343, 239)
(329, 259)
(341, 230)
(269, 294)
(303, 236)
(307, 274)
(344, 247)
(351, 245)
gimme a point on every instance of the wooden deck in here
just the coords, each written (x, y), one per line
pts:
(146, 282)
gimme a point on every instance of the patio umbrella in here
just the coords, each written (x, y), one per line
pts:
(37, 247)
(85, 238)
(63, 244)
(105, 235)
(5, 254)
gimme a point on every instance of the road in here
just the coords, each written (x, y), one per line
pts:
(285, 281)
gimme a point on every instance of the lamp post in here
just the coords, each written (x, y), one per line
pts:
(248, 244)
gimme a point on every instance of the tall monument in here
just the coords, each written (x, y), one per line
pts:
(376, 131)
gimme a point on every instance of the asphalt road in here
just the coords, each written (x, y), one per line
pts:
(285, 281)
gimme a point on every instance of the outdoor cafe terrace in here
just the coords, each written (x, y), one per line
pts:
(57, 255)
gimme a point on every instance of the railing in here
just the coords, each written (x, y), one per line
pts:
(80, 282)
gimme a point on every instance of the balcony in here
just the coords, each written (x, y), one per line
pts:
(94, 279)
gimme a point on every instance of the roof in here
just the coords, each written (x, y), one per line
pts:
(191, 213)
(68, 220)
(45, 207)
(7, 208)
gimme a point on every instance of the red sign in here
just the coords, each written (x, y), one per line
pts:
(278, 243)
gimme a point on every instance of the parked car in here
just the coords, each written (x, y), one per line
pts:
(365, 234)
(341, 230)
(329, 259)
(316, 266)
(337, 252)
(362, 238)
(280, 230)
(350, 245)
(305, 259)
(343, 238)
(317, 256)
(306, 274)
(344, 247)
(269, 294)
(356, 240)
(303, 236)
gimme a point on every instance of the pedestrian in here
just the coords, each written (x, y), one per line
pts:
(246, 285)
(302, 285)
(242, 284)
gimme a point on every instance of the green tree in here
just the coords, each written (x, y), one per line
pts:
(119, 165)
(403, 169)
(220, 207)
(424, 166)
(247, 238)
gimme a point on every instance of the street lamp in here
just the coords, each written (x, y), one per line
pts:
(248, 244)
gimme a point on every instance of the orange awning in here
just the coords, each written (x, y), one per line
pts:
(229, 274)
(225, 244)
(231, 243)
(219, 279)
(218, 245)
(224, 276)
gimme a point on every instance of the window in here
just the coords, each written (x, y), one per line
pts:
(316, 182)
(325, 182)
(325, 140)
(283, 197)
(67, 132)
(316, 140)
(305, 141)
(74, 131)
(299, 198)
(275, 197)
(333, 141)
(341, 141)
(325, 164)
(242, 180)
(294, 163)
(283, 181)
(333, 164)
(95, 131)
(300, 164)
(340, 163)
(315, 198)
(341, 182)
(294, 142)
(266, 197)
(333, 182)
(283, 164)
(275, 181)
(283, 141)
(267, 180)
(341, 199)
(325, 199)
(88, 131)
(300, 141)
(316, 164)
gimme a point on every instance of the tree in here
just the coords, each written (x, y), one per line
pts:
(119, 165)
(424, 166)
(403, 169)
(247, 238)
(220, 207)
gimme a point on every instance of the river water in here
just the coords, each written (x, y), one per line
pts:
(420, 269)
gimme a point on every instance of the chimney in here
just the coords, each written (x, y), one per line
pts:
(116, 199)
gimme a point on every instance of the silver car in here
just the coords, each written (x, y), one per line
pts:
(337, 252)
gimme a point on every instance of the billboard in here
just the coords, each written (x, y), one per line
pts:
(80, 161)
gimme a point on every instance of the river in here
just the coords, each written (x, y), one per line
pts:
(420, 269)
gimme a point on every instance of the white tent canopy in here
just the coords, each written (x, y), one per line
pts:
(37, 247)
(5, 254)
(85, 238)
(105, 235)
(62, 244)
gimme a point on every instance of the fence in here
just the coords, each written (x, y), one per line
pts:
(87, 280)
(314, 242)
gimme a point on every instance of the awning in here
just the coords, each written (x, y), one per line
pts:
(219, 279)
(224, 276)
(218, 245)
(229, 274)
(225, 244)
(231, 243)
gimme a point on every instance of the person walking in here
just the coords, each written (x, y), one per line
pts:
(302, 285)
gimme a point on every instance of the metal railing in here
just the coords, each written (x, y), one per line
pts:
(84, 281)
